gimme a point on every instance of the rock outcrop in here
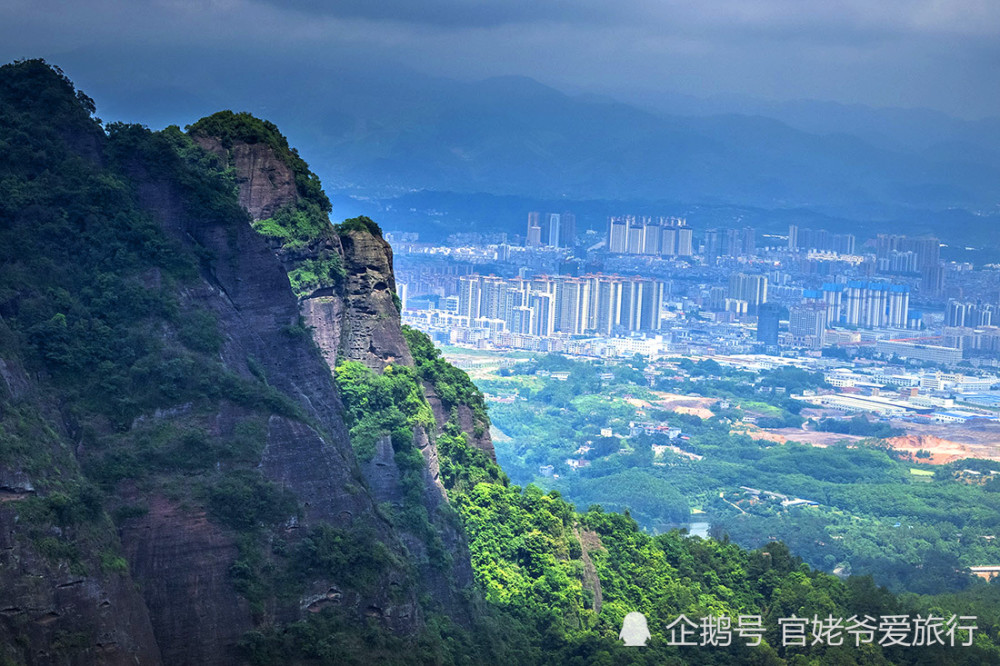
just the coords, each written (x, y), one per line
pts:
(370, 332)
(266, 183)
(477, 433)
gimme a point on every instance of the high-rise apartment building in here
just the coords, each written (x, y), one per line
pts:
(543, 310)
(567, 234)
(618, 235)
(469, 296)
(534, 235)
(833, 296)
(608, 313)
(733, 243)
(555, 227)
(591, 304)
(768, 319)
(749, 288)
(807, 322)
(574, 311)
(685, 246)
(748, 242)
(644, 299)
(897, 306)
(664, 236)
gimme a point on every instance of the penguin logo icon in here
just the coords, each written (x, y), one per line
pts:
(634, 631)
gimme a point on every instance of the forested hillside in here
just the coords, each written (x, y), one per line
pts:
(686, 443)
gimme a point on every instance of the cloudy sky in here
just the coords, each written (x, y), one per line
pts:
(939, 54)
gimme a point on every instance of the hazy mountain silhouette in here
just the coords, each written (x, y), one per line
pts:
(377, 130)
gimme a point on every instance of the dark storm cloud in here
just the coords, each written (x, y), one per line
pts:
(459, 13)
(845, 20)
(892, 52)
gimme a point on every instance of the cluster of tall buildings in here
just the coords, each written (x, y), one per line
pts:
(749, 290)
(867, 304)
(660, 237)
(730, 243)
(857, 303)
(968, 315)
(820, 240)
(551, 229)
(593, 304)
(911, 255)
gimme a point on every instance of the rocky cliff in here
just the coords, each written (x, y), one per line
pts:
(181, 560)
(176, 475)
(358, 320)
(266, 183)
(371, 330)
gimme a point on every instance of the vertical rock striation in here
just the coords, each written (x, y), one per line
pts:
(265, 182)
(371, 331)
(359, 321)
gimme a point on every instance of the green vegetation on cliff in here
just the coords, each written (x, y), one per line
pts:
(390, 404)
(567, 579)
(451, 385)
(117, 394)
(230, 128)
(301, 229)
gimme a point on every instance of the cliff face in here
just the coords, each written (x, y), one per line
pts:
(172, 444)
(182, 561)
(52, 615)
(370, 332)
(265, 182)
(359, 321)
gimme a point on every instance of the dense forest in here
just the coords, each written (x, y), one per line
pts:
(873, 515)
(121, 394)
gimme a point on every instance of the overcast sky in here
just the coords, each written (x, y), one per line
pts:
(939, 54)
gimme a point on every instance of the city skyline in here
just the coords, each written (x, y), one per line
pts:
(808, 291)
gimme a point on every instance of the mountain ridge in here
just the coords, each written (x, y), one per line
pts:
(384, 130)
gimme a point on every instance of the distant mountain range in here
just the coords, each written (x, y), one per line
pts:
(377, 131)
